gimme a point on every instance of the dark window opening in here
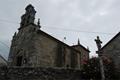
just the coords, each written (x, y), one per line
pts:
(73, 59)
(60, 57)
(19, 61)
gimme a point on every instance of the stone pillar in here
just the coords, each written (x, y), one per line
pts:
(98, 43)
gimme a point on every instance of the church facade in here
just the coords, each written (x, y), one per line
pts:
(33, 47)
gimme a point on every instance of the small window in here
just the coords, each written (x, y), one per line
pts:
(19, 61)
(34, 29)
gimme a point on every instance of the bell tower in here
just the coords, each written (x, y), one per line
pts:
(22, 49)
(28, 17)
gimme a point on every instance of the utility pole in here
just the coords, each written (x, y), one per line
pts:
(99, 52)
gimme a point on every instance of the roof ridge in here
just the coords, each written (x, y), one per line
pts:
(57, 39)
(81, 46)
(110, 40)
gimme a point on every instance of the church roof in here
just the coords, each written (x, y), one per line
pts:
(81, 46)
(118, 34)
(46, 34)
(40, 31)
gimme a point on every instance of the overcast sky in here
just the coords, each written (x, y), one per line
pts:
(63, 18)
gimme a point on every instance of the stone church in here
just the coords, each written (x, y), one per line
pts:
(32, 47)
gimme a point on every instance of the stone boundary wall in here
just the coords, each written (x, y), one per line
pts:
(29, 73)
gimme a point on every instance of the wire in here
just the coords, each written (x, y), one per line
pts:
(4, 44)
(73, 30)
(2, 55)
(6, 51)
(9, 21)
(63, 29)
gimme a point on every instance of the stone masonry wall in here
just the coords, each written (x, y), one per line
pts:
(29, 73)
(113, 51)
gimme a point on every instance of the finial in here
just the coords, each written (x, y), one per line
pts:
(30, 9)
(38, 23)
(29, 6)
(78, 41)
(64, 39)
(15, 34)
(88, 48)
